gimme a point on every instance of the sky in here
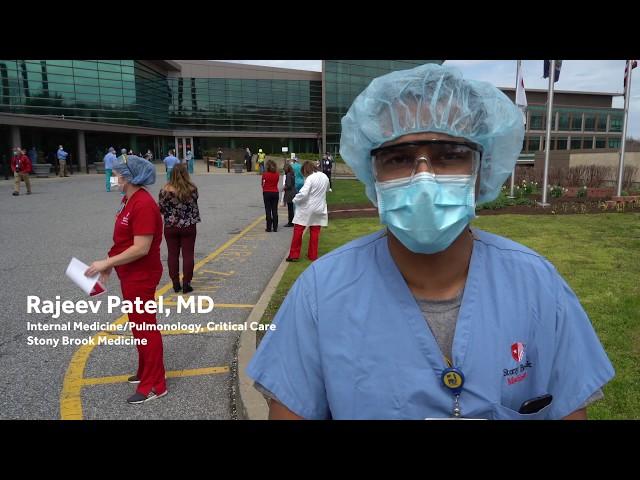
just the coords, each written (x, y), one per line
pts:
(575, 75)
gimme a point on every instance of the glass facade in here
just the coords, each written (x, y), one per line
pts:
(88, 90)
(129, 92)
(572, 120)
(142, 94)
(345, 79)
(226, 104)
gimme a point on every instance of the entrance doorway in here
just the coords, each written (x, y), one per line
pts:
(183, 144)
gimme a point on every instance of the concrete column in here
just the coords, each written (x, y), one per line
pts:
(82, 152)
(15, 137)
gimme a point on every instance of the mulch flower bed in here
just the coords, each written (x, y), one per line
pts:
(561, 206)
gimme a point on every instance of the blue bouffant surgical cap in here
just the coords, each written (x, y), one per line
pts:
(136, 170)
(434, 98)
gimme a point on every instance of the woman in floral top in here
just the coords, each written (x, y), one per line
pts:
(179, 206)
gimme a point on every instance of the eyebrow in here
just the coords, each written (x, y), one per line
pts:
(473, 146)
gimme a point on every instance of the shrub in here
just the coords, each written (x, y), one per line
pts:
(628, 174)
(557, 191)
(582, 192)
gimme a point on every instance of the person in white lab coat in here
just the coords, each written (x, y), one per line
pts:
(311, 211)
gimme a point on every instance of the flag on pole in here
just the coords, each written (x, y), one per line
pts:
(634, 64)
(521, 96)
(547, 65)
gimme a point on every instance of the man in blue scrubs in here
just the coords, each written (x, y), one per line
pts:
(170, 161)
(109, 158)
(430, 318)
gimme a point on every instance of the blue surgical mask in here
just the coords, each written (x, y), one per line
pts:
(424, 213)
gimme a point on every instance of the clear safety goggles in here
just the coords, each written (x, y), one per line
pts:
(441, 157)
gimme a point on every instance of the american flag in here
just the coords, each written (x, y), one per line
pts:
(634, 64)
(547, 66)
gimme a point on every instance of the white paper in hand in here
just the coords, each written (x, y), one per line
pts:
(89, 285)
(113, 181)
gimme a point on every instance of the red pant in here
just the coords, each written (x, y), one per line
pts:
(150, 356)
(180, 239)
(296, 241)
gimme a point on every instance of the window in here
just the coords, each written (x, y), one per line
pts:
(576, 122)
(588, 143)
(561, 143)
(614, 143)
(109, 67)
(536, 121)
(601, 124)
(576, 143)
(84, 64)
(534, 144)
(616, 124)
(601, 142)
(563, 121)
(589, 122)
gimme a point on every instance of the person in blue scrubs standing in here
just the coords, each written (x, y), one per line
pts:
(170, 161)
(297, 171)
(109, 158)
(189, 161)
(430, 318)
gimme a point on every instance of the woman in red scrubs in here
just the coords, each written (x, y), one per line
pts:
(135, 255)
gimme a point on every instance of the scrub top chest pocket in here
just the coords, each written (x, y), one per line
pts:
(501, 412)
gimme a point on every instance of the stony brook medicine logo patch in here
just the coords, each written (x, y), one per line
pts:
(517, 351)
(519, 373)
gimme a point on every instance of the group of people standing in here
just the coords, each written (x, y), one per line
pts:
(135, 255)
(305, 190)
(22, 166)
(139, 225)
(110, 158)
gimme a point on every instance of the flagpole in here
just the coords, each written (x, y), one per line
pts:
(552, 77)
(627, 96)
(513, 174)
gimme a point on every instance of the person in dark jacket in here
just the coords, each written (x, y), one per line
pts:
(289, 192)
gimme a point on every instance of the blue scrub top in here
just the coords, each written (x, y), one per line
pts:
(171, 161)
(109, 158)
(297, 170)
(351, 341)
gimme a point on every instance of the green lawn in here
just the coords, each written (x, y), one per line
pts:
(347, 192)
(599, 257)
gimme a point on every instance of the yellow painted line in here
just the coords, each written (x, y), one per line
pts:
(70, 396)
(233, 305)
(169, 332)
(189, 332)
(199, 286)
(186, 332)
(173, 374)
(226, 274)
